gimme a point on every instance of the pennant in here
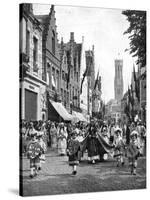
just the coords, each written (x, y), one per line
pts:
(96, 81)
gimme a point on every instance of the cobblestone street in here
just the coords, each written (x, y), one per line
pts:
(55, 177)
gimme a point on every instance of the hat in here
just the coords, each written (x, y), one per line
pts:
(118, 130)
(33, 133)
(61, 124)
(40, 134)
(73, 133)
(134, 133)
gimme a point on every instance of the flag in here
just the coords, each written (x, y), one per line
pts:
(129, 95)
(137, 86)
(96, 81)
(99, 83)
(68, 64)
(84, 75)
(132, 95)
(89, 61)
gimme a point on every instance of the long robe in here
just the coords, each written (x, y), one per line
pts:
(62, 141)
(53, 133)
(92, 144)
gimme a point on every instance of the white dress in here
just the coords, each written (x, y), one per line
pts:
(62, 141)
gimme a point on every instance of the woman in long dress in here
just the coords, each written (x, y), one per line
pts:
(62, 139)
(53, 134)
(92, 144)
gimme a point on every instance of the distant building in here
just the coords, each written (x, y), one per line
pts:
(118, 81)
(32, 84)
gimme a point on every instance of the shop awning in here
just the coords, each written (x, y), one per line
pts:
(79, 116)
(61, 110)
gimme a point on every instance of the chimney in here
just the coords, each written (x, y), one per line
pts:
(72, 36)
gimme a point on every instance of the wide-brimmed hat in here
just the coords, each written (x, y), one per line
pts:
(40, 134)
(33, 133)
(134, 133)
(118, 130)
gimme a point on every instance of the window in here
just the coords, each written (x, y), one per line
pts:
(28, 43)
(35, 53)
(53, 42)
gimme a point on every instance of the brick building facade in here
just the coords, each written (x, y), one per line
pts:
(32, 86)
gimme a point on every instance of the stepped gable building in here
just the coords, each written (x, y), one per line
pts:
(51, 57)
(51, 62)
(32, 85)
(70, 74)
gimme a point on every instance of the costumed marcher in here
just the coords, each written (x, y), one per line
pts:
(62, 139)
(104, 134)
(133, 151)
(53, 133)
(34, 151)
(119, 145)
(43, 146)
(92, 144)
(80, 138)
(31, 129)
(112, 132)
(127, 134)
(73, 148)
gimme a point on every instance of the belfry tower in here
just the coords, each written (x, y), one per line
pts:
(118, 82)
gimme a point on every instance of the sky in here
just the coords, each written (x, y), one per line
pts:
(102, 28)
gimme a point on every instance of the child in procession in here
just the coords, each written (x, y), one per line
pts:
(33, 154)
(43, 146)
(119, 147)
(72, 152)
(133, 152)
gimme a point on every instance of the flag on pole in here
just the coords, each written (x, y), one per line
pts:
(69, 65)
(96, 81)
(137, 86)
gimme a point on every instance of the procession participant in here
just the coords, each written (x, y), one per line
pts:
(33, 153)
(62, 139)
(53, 134)
(133, 151)
(111, 132)
(43, 146)
(92, 144)
(48, 126)
(31, 129)
(141, 135)
(73, 148)
(80, 138)
(104, 134)
(119, 147)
